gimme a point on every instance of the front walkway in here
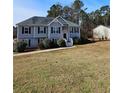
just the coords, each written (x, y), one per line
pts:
(40, 51)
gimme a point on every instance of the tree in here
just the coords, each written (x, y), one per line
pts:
(55, 10)
(77, 14)
(76, 6)
(101, 16)
(68, 13)
(105, 12)
(86, 25)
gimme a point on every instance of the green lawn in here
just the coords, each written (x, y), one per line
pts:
(84, 69)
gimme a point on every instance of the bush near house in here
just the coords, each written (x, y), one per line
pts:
(53, 44)
(20, 46)
(61, 43)
(85, 41)
(46, 43)
(76, 40)
(40, 45)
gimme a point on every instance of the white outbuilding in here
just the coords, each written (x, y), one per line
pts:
(101, 32)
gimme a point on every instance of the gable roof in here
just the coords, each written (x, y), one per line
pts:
(46, 20)
(66, 22)
(36, 20)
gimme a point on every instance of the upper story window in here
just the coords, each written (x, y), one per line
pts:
(42, 30)
(71, 30)
(74, 30)
(26, 30)
(64, 28)
(55, 30)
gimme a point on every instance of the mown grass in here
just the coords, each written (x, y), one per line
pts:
(84, 69)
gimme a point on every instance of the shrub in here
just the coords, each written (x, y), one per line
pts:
(46, 43)
(81, 41)
(41, 46)
(85, 41)
(61, 42)
(14, 45)
(53, 44)
(20, 46)
(76, 40)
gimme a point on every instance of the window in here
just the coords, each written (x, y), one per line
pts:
(44, 29)
(64, 28)
(55, 29)
(74, 30)
(41, 30)
(51, 29)
(26, 30)
(71, 30)
(77, 30)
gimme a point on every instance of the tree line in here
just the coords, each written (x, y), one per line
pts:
(77, 14)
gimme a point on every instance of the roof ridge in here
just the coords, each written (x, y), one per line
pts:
(67, 20)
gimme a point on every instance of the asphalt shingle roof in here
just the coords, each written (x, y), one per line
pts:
(45, 21)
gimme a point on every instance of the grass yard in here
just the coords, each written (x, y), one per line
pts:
(84, 69)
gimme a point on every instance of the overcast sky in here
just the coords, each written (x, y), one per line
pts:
(23, 9)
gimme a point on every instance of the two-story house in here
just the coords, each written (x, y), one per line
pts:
(34, 29)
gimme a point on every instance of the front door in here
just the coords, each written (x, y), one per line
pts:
(64, 35)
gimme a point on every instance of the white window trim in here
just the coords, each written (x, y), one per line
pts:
(75, 30)
(42, 30)
(27, 30)
(56, 30)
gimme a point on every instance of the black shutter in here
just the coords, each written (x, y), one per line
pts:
(44, 29)
(72, 29)
(29, 30)
(77, 30)
(59, 29)
(38, 29)
(38, 40)
(51, 29)
(22, 30)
